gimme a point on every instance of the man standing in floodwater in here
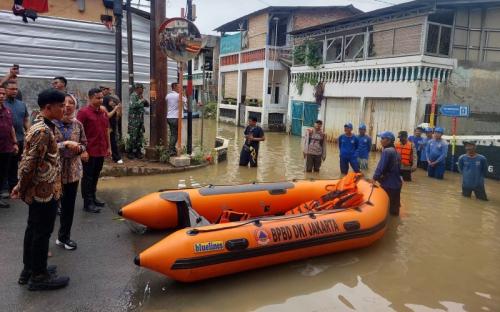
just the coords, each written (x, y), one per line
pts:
(473, 167)
(365, 144)
(417, 139)
(423, 156)
(250, 150)
(408, 155)
(348, 146)
(387, 172)
(314, 147)
(436, 151)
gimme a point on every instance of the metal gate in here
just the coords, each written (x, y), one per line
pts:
(303, 114)
(386, 115)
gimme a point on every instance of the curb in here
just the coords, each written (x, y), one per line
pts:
(127, 171)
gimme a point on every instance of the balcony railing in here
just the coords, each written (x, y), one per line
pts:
(372, 75)
(269, 53)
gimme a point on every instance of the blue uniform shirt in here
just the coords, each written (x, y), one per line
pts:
(417, 142)
(19, 112)
(473, 170)
(348, 146)
(365, 144)
(436, 150)
(387, 172)
(423, 144)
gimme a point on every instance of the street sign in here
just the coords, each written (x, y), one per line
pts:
(454, 110)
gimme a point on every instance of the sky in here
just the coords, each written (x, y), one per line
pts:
(213, 13)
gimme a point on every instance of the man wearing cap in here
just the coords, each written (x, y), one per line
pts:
(436, 151)
(425, 141)
(408, 155)
(364, 147)
(348, 146)
(473, 167)
(387, 172)
(136, 122)
(416, 139)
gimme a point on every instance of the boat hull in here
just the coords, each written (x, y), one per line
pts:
(194, 254)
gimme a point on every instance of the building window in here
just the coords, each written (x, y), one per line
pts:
(438, 39)
(354, 47)
(228, 113)
(334, 49)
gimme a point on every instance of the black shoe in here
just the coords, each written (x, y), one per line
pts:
(67, 244)
(130, 156)
(139, 156)
(4, 204)
(99, 203)
(91, 208)
(47, 282)
(25, 274)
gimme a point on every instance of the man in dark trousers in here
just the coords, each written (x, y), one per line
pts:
(96, 125)
(253, 136)
(41, 189)
(348, 146)
(20, 118)
(8, 141)
(387, 172)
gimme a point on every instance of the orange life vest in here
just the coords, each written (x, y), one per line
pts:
(406, 153)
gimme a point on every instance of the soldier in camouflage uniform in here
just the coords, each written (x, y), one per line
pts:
(136, 122)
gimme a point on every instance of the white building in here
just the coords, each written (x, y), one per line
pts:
(378, 67)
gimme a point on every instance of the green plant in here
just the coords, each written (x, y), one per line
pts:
(210, 110)
(299, 55)
(162, 152)
(309, 53)
(303, 78)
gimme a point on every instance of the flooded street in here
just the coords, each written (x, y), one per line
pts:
(442, 254)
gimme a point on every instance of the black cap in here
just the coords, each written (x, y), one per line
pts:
(139, 85)
(469, 143)
(402, 134)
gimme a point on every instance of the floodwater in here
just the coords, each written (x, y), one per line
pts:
(441, 254)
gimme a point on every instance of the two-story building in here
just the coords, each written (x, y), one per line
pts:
(378, 67)
(254, 61)
(206, 63)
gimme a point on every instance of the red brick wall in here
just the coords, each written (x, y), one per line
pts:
(308, 18)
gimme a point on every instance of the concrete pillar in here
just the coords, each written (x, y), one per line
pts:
(413, 113)
(238, 95)
(219, 92)
(361, 116)
(265, 103)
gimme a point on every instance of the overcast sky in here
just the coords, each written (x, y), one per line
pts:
(213, 13)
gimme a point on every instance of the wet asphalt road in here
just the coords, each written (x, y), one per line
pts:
(101, 269)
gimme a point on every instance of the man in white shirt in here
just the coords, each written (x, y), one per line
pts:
(173, 116)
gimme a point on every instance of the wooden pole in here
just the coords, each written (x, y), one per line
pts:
(189, 89)
(130, 49)
(158, 77)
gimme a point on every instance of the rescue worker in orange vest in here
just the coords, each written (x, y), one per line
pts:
(408, 153)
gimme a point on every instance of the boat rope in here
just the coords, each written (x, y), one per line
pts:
(259, 220)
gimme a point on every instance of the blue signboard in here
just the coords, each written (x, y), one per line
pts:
(454, 110)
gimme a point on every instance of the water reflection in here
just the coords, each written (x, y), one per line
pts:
(441, 255)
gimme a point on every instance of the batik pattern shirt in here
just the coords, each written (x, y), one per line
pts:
(71, 163)
(40, 169)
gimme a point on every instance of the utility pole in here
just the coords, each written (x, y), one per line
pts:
(118, 12)
(189, 90)
(158, 77)
(130, 49)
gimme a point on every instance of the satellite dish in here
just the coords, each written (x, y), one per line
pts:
(180, 39)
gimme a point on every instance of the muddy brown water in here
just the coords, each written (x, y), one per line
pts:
(442, 254)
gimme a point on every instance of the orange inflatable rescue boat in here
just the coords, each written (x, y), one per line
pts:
(348, 216)
(169, 209)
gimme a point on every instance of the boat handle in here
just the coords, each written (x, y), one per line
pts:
(277, 192)
(237, 244)
(351, 226)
